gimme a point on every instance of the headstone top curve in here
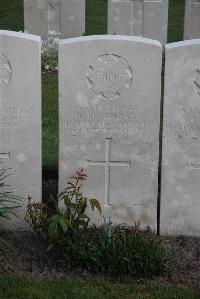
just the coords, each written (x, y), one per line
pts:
(191, 42)
(20, 35)
(110, 37)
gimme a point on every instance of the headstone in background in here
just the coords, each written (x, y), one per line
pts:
(180, 204)
(20, 118)
(109, 122)
(148, 18)
(62, 18)
(192, 19)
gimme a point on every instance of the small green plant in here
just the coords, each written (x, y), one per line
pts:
(107, 233)
(108, 249)
(37, 214)
(134, 252)
(50, 53)
(72, 221)
(8, 201)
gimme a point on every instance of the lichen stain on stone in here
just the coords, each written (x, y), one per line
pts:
(145, 219)
(124, 213)
(146, 216)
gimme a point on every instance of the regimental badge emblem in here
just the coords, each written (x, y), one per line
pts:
(5, 71)
(109, 77)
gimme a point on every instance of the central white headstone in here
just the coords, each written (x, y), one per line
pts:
(109, 122)
(63, 18)
(20, 119)
(192, 19)
(148, 18)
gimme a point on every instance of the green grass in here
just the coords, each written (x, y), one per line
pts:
(11, 15)
(50, 121)
(26, 288)
(176, 20)
(11, 18)
(96, 17)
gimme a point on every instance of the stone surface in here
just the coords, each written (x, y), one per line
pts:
(148, 18)
(109, 122)
(180, 204)
(192, 19)
(64, 18)
(20, 118)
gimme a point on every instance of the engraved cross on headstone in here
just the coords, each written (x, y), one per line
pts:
(107, 164)
(54, 16)
(137, 8)
(5, 156)
(138, 18)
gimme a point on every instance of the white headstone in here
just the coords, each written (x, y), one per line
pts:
(20, 118)
(192, 19)
(64, 18)
(148, 18)
(180, 204)
(109, 122)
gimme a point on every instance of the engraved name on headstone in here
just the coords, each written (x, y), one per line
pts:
(180, 204)
(4, 156)
(109, 122)
(20, 119)
(148, 18)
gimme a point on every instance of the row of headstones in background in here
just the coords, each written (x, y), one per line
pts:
(192, 19)
(66, 18)
(63, 18)
(147, 18)
(110, 90)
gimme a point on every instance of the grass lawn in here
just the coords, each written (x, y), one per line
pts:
(50, 121)
(26, 288)
(11, 18)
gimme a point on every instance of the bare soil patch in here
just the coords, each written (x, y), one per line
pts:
(30, 258)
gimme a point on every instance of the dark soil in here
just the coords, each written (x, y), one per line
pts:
(30, 258)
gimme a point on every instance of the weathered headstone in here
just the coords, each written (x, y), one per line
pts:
(192, 19)
(180, 204)
(20, 118)
(148, 18)
(109, 122)
(63, 18)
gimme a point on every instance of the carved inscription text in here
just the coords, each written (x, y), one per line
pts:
(107, 120)
(16, 115)
(186, 125)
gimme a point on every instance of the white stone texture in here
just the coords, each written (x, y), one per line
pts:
(180, 203)
(20, 118)
(109, 115)
(63, 18)
(148, 18)
(192, 19)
